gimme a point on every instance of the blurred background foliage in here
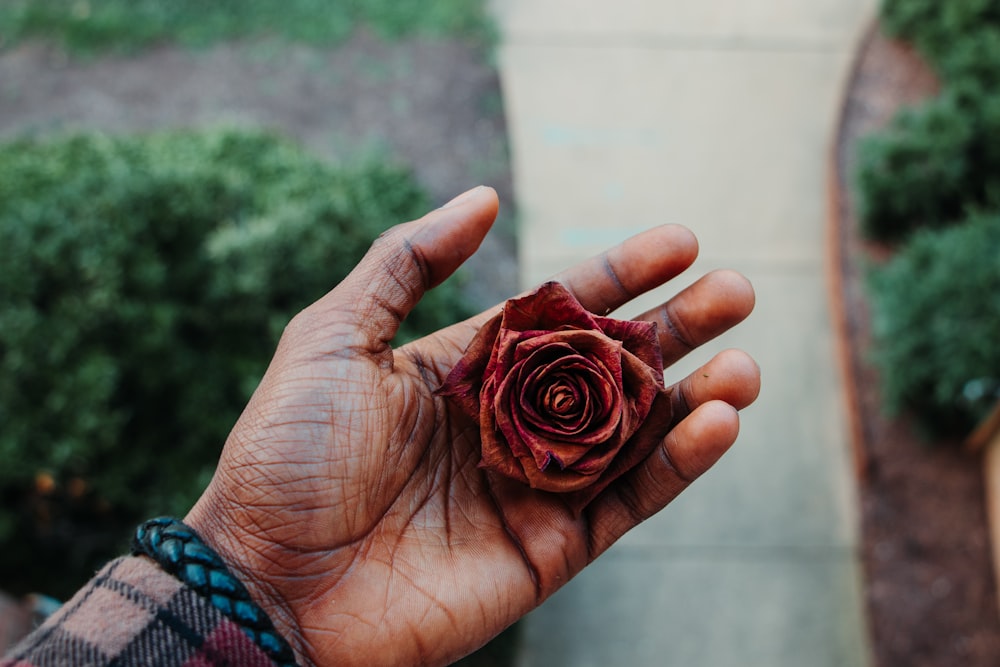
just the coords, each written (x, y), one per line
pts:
(930, 187)
(89, 26)
(936, 162)
(941, 31)
(936, 311)
(144, 284)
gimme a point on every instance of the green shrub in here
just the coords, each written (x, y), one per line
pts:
(143, 285)
(931, 165)
(936, 26)
(101, 25)
(936, 162)
(972, 61)
(915, 173)
(936, 319)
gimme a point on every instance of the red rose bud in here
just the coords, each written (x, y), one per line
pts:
(566, 401)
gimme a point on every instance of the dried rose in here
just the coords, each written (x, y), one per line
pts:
(566, 401)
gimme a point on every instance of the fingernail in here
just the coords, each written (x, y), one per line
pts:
(462, 198)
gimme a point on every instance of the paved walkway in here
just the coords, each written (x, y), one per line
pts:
(716, 114)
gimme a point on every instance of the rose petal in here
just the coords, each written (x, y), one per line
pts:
(600, 351)
(557, 402)
(524, 444)
(555, 480)
(542, 437)
(592, 343)
(639, 338)
(599, 395)
(465, 381)
(548, 308)
(496, 450)
(505, 418)
(644, 442)
(641, 383)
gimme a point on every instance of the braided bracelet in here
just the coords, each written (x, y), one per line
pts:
(181, 552)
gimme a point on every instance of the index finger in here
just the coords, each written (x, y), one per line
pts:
(639, 264)
(611, 279)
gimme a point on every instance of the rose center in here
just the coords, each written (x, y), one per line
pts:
(561, 399)
(558, 394)
(566, 402)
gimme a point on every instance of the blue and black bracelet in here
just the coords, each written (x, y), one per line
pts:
(181, 552)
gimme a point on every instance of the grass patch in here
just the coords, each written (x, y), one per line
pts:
(99, 26)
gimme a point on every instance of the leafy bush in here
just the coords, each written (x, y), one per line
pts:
(935, 304)
(936, 319)
(914, 173)
(143, 285)
(100, 25)
(932, 165)
(935, 27)
(935, 163)
(972, 60)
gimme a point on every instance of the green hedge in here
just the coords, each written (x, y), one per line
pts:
(930, 183)
(102, 25)
(936, 163)
(936, 26)
(936, 321)
(143, 286)
(932, 166)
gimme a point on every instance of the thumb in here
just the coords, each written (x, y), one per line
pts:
(405, 262)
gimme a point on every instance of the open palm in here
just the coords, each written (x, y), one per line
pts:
(348, 496)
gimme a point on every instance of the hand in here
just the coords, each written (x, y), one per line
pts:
(348, 496)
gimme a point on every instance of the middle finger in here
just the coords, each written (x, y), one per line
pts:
(711, 306)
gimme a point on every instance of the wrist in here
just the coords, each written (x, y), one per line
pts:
(203, 558)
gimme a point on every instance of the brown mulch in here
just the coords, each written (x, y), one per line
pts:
(931, 594)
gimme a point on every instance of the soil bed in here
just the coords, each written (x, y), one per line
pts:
(930, 588)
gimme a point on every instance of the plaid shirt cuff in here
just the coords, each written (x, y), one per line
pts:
(134, 613)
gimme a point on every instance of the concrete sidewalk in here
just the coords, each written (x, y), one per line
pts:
(717, 115)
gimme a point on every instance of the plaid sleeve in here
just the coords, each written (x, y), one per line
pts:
(134, 613)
